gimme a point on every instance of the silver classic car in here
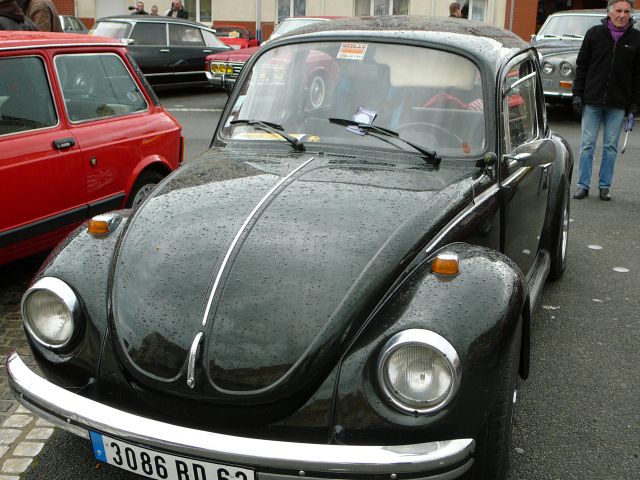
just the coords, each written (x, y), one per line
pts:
(558, 43)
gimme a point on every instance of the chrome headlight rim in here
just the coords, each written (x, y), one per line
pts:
(548, 68)
(70, 301)
(566, 69)
(430, 340)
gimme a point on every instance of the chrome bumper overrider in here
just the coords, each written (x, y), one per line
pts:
(449, 459)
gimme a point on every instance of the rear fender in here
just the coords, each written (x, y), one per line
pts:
(153, 162)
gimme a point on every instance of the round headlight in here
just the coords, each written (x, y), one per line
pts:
(547, 68)
(50, 310)
(566, 69)
(214, 68)
(419, 371)
(229, 69)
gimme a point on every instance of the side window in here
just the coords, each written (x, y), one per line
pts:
(150, 34)
(25, 95)
(211, 40)
(519, 106)
(185, 35)
(97, 86)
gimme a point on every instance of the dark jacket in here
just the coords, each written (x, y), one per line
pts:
(13, 18)
(608, 73)
(182, 13)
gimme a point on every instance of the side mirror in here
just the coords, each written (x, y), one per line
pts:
(539, 152)
(127, 41)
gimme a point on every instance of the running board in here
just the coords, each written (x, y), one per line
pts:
(536, 278)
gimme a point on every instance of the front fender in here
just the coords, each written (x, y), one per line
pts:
(478, 312)
(83, 262)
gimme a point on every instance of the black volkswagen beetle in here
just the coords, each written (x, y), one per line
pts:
(342, 287)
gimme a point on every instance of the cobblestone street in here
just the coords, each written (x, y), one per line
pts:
(22, 434)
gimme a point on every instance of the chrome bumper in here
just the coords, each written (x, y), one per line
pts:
(224, 82)
(449, 459)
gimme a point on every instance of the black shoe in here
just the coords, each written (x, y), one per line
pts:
(605, 195)
(583, 192)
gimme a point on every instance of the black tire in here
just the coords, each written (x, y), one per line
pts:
(493, 443)
(142, 187)
(560, 239)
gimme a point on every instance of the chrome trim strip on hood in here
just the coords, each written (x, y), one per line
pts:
(69, 409)
(239, 234)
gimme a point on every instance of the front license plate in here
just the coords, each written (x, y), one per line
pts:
(159, 465)
(546, 82)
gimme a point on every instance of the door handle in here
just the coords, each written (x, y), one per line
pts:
(206, 51)
(165, 50)
(64, 143)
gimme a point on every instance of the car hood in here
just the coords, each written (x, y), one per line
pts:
(558, 47)
(277, 268)
(240, 56)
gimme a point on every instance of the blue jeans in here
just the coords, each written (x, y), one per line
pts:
(612, 119)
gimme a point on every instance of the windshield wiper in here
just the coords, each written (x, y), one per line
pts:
(297, 145)
(550, 35)
(572, 35)
(429, 155)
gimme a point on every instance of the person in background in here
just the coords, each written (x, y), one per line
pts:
(154, 10)
(13, 18)
(455, 10)
(139, 9)
(606, 89)
(177, 10)
(43, 13)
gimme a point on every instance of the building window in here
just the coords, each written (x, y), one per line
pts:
(199, 10)
(475, 10)
(291, 8)
(381, 7)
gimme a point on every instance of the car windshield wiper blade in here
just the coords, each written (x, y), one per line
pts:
(429, 155)
(572, 35)
(297, 145)
(550, 35)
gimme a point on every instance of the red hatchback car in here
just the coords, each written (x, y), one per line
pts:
(236, 37)
(81, 133)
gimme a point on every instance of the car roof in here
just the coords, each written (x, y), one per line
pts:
(26, 39)
(150, 18)
(477, 38)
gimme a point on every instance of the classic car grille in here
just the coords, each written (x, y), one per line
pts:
(236, 69)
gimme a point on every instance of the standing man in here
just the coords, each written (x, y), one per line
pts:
(43, 13)
(177, 10)
(455, 10)
(606, 87)
(139, 9)
(12, 17)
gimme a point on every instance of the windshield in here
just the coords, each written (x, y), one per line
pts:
(321, 92)
(569, 25)
(111, 29)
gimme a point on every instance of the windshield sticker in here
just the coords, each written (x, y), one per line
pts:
(352, 51)
(364, 116)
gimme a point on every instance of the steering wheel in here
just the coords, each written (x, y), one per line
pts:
(436, 128)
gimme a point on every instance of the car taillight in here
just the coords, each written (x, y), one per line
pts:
(181, 154)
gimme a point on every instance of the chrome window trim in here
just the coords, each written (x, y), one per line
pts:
(79, 414)
(52, 97)
(49, 46)
(126, 69)
(433, 340)
(65, 293)
(242, 229)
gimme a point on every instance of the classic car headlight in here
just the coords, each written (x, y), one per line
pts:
(419, 371)
(566, 69)
(51, 310)
(547, 68)
(229, 69)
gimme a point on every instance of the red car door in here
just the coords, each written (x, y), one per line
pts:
(118, 130)
(43, 183)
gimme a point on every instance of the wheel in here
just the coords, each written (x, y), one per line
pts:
(317, 91)
(560, 237)
(143, 187)
(493, 443)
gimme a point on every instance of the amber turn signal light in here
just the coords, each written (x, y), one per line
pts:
(446, 264)
(102, 224)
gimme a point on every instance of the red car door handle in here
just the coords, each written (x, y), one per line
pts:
(63, 143)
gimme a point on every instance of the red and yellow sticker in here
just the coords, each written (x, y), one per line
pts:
(352, 51)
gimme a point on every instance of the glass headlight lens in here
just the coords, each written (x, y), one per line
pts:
(419, 371)
(566, 69)
(547, 68)
(49, 310)
(229, 69)
(214, 68)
